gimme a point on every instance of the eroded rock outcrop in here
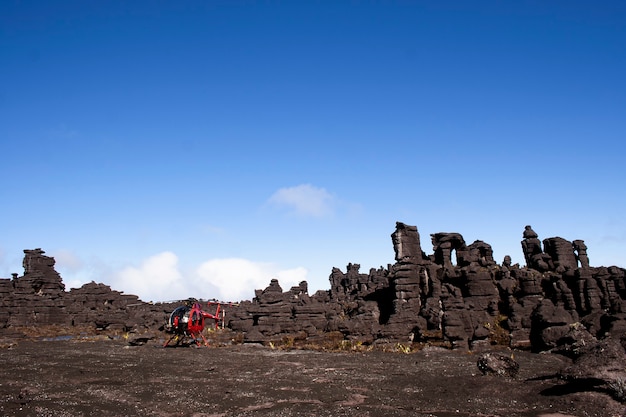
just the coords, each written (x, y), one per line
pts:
(457, 296)
(38, 298)
(598, 366)
(35, 298)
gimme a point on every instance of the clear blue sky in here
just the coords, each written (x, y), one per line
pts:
(201, 148)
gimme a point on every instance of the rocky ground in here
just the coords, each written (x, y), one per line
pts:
(103, 376)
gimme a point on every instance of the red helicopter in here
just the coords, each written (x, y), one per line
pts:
(188, 322)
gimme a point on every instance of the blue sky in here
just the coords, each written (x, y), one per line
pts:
(201, 148)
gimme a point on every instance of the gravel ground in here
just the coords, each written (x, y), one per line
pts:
(110, 378)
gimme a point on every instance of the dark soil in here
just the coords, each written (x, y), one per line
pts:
(101, 377)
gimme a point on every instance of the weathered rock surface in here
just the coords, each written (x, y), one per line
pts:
(600, 365)
(38, 298)
(458, 296)
(497, 364)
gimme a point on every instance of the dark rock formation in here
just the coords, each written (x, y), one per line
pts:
(497, 364)
(457, 296)
(38, 298)
(406, 243)
(599, 366)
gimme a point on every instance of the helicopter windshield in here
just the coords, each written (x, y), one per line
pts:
(179, 316)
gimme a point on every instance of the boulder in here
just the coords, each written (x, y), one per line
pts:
(497, 364)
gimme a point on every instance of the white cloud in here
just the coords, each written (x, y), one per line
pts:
(71, 267)
(236, 279)
(291, 277)
(161, 278)
(67, 260)
(157, 279)
(305, 200)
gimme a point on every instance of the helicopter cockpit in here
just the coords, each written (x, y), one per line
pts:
(179, 319)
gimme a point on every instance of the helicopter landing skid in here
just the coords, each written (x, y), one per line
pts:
(179, 338)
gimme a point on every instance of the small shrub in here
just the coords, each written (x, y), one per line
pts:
(403, 348)
(498, 333)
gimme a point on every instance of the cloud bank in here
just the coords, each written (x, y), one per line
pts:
(161, 277)
(236, 279)
(157, 279)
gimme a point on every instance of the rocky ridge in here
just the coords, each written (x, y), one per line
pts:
(38, 299)
(458, 296)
